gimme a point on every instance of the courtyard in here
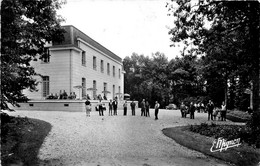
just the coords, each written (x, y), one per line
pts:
(116, 140)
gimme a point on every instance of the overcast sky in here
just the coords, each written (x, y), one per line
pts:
(123, 26)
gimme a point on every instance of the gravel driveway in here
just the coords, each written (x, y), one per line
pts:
(116, 140)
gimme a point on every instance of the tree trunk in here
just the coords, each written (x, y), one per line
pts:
(254, 34)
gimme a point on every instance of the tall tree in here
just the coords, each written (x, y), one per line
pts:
(26, 26)
(210, 20)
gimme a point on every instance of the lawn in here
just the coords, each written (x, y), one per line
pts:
(241, 155)
(21, 139)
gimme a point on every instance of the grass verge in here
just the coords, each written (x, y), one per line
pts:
(240, 156)
(21, 139)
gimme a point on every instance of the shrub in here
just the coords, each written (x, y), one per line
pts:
(238, 116)
(229, 132)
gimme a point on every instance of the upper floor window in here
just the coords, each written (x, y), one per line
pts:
(94, 63)
(83, 58)
(45, 86)
(114, 71)
(102, 66)
(46, 55)
(108, 69)
(119, 73)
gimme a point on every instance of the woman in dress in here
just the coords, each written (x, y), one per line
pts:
(88, 107)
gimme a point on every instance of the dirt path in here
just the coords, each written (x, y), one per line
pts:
(116, 140)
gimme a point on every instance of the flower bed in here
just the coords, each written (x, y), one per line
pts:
(241, 155)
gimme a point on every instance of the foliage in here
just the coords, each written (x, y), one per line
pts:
(229, 132)
(238, 116)
(21, 139)
(146, 78)
(226, 35)
(254, 125)
(26, 26)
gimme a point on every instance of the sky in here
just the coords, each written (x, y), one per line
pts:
(123, 26)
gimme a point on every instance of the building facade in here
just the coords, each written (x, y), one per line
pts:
(78, 65)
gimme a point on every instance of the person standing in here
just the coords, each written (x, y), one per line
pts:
(156, 111)
(110, 107)
(202, 108)
(223, 111)
(192, 110)
(210, 108)
(115, 106)
(88, 107)
(183, 110)
(133, 108)
(143, 108)
(100, 108)
(147, 107)
(125, 108)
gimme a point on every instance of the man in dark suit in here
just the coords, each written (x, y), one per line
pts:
(192, 110)
(210, 108)
(133, 108)
(143, 108)
(115, 106)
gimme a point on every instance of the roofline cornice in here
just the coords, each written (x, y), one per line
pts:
(81, 40)
(65, 48)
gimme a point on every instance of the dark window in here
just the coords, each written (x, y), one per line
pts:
(102, 66)
(114, 71)
(108, 69)
(46, 86)
(46, 55)
(83, 58)
(94, 63)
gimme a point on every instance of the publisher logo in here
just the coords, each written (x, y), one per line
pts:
(221, 144)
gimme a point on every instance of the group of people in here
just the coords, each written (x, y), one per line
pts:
(145, 106)
(112, 107)
(212, 111)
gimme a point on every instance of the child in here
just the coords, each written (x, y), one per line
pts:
(215, 113)
(219, 114)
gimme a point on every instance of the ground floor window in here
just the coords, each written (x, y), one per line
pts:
(94, 87)
(46, 86)
(83, 87)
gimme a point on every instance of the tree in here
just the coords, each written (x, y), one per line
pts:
(26, 27)
(209, 21)
(146, 78)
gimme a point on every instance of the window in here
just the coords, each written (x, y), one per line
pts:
(102, 66)
(94, 63)
(105, 86)
(114, 72)
(94, 86)
(83, 87)
(83, 58)
(46, 55)
(46, 86)
(119, 91)
(119, 73)
(108, 69)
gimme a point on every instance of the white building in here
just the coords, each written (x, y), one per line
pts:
(78, 61)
